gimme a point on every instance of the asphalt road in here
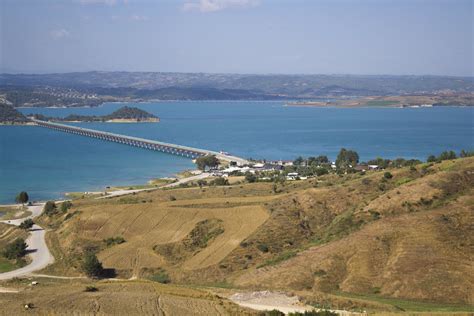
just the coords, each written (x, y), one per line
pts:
(39, 252)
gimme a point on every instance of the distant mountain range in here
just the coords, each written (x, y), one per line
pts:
(93, 88)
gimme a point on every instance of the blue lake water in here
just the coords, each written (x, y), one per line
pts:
(47, 163)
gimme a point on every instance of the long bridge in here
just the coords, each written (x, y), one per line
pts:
(173, 149)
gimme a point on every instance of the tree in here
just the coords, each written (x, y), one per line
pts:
(16, 249)
(431, 158)
(27, 224)
(447, 155)
(22, 197)
(322, 160)
(92, 266)
(50, 208)
(298, 161)
(210, 161)
(347, 158)
(465, 153)
(380, 162)
(201, 183)
(250, 177)
(319, 171)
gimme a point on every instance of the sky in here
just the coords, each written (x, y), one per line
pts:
(395, 37)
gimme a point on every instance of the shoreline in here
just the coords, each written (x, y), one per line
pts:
(168, 182)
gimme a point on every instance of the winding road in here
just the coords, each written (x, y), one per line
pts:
(39, 252)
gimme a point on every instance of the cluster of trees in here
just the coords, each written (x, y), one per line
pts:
(50, 208)
(311, 161)
(15, 250)
(27, 224)
(346, 159)
(448, 155)
(209, 161)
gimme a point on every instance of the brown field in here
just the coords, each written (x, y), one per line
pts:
(351, 241)
(54, 297)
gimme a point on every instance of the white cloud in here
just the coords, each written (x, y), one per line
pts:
(217, 5)
(59, 34)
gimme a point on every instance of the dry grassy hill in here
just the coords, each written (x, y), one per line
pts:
(349, 240)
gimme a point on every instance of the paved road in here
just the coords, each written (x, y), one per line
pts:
(40, 255)
(188, 179)
(171, 185)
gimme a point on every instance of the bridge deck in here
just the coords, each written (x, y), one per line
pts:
(140, 142)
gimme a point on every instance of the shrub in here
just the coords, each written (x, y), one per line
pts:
(262, 247)
(161, 277)
(16, 249)
(220, 181)
(92, 266)
(387, 175)
(50, 208)
(27, 224)
(114, 241)
(65, 206)
(91, 288)
(250, 177)
(274, 312)
(172, 198)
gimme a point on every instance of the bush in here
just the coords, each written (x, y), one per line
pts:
(92, 266)
(16, 249)
(50, 208)
(387, 175)
(114, 241)
(161, 277)
(27, 224)
(65, 206)
(274, 312)
(262, 247)
(91, 288)
(220, 181)
(250, 177)
(172, 198)
(319, 171)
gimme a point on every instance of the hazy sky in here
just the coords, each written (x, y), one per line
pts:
(240, 36)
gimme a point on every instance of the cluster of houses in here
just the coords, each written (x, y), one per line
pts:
(272, 166)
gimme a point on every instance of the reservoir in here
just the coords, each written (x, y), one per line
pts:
(46, 163)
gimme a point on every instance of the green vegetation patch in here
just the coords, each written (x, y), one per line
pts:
(161, 277)
(6, 265)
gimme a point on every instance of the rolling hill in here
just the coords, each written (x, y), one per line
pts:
(349, 241)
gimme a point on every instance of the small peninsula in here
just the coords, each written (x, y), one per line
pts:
(11, 116)
(123, 115)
